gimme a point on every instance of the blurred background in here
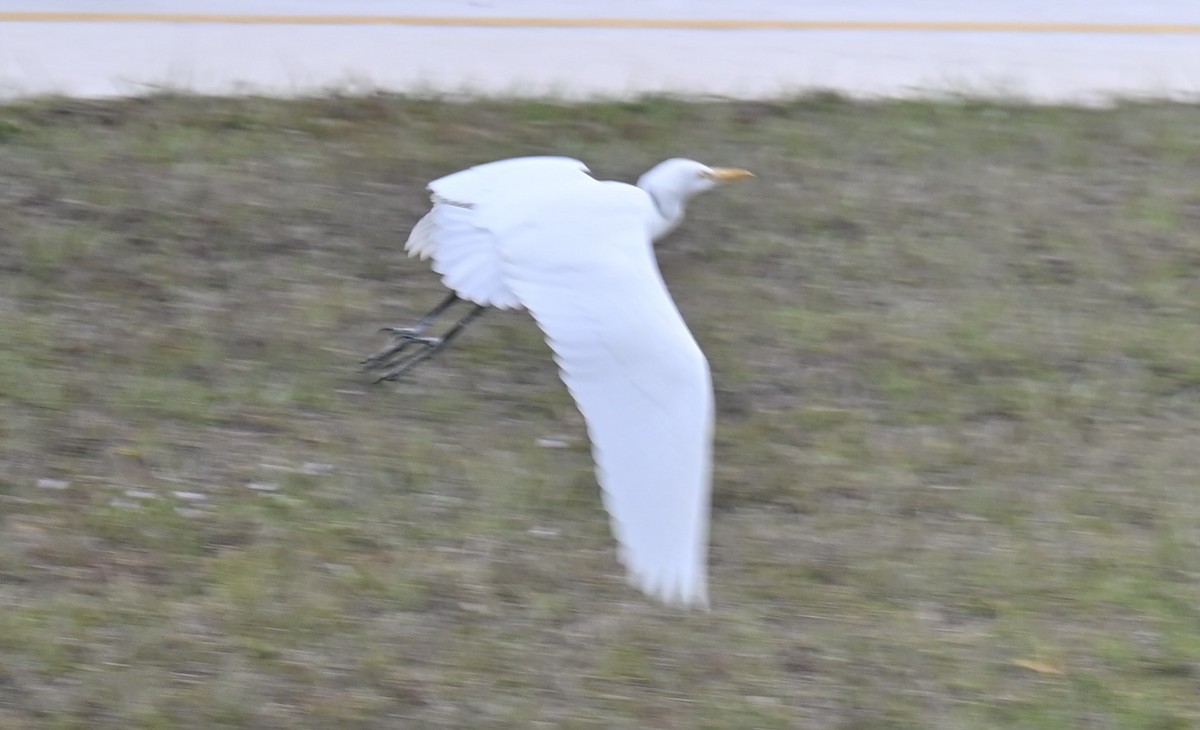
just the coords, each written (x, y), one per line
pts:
(1079, 51)
(954, 329)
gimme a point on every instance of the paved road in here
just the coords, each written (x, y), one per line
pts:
(71, 55)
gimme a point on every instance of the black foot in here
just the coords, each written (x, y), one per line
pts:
(396, 359)
(402, 339)
(392, 367)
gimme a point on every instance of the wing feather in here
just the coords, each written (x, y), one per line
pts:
(465, 252)
(584, 267)
(481, 183)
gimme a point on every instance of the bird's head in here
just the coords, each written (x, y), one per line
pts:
(672, 183)
(682, 178)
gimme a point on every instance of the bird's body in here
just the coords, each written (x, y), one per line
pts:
(542, 234)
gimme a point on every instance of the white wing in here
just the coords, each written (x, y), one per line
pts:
(580, 259)
(463, 252)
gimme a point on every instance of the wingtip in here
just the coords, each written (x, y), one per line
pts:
(673, 591)
(684, 587)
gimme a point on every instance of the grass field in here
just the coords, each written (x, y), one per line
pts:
(956, 349)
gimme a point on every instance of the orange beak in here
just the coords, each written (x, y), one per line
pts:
(725, 174)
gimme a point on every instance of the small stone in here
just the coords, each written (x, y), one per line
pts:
(191, 496)
(316, 467)
(263, 486)
(549, 443)
(45, 483)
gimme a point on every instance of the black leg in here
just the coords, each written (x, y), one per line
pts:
(402, 337)
(424, 322)
(433, 345)
(392, 361)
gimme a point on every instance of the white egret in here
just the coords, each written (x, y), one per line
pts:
(540, 233)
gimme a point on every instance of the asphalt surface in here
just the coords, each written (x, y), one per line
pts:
(1152, 49)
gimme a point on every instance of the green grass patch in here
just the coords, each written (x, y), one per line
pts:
(957, 364)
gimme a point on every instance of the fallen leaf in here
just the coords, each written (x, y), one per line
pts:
(1039, 667)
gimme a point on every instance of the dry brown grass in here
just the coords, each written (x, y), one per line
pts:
(957, 353)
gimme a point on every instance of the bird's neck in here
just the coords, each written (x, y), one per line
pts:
(670, 214)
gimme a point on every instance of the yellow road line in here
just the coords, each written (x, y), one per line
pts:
(953, 26)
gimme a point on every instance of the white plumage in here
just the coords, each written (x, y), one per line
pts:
(542, 234)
